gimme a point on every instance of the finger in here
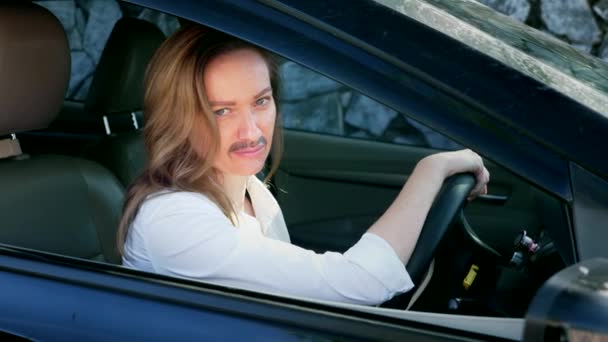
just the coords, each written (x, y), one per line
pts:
(484, 176)
(487, 175)
(481, 188)
(474, 192)
(481, 183)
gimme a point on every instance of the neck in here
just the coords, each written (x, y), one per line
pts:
(235, 187)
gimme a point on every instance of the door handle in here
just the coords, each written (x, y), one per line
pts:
(493, 199)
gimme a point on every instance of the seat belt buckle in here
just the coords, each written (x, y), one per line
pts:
(9, 146)
(120, 120)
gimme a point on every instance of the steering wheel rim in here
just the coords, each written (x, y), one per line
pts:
(448, 203)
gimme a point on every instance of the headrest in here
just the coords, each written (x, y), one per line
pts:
(117, 85)
(34, 66)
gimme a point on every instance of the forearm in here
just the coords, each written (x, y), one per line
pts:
(402, 222)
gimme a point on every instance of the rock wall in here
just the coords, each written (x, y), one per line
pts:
(581, 23)
(314, 103)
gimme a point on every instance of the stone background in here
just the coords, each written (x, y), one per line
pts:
(312, 102)
(88, 24)
(581, 23)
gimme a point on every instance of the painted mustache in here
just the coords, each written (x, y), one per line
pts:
(241, 145)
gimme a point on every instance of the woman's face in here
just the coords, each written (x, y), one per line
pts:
(239, 93)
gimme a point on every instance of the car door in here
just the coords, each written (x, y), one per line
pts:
(347, 156)
(51, 297)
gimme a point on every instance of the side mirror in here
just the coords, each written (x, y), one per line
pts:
(572, 305)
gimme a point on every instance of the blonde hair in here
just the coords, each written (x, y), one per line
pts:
(175, 103)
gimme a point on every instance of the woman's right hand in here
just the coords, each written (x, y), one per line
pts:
(462, 161)
(402, 222)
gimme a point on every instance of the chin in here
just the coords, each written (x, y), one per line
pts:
(246, 166)
(248, 169)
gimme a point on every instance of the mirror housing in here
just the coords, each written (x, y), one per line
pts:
(572, 305)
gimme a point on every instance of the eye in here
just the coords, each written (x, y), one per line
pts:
(262, 101)
(221, 112)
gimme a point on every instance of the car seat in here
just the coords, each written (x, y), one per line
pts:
(116, 96)
(53, 203)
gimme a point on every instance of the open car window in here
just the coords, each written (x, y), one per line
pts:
(312, 102)
(88, 25)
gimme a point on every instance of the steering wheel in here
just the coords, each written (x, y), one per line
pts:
(448, 203)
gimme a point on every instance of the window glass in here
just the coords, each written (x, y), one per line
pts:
(88, 24)
(314, 103)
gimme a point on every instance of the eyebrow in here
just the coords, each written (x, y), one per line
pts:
(232, 103)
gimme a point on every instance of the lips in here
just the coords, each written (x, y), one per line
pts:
(250, 151)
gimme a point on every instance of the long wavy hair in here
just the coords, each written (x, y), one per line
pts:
(175, 104)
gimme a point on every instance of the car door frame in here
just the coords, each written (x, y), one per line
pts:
(48, 296)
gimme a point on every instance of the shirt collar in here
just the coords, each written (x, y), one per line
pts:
(267, 210)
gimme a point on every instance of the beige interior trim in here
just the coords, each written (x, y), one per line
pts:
(9, 148)
(427, 278)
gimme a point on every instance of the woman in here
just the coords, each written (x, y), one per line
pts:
(199, 212)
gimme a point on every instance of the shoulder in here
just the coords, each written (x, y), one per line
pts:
(169, 203)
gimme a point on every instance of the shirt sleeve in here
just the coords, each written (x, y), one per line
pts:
(186, 235)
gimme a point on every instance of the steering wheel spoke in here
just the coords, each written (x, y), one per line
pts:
(448, 203)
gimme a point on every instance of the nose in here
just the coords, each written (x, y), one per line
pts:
(248, 126)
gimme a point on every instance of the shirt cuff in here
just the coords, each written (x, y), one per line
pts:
(377, 257)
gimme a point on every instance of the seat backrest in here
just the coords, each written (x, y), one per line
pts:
(116, 96)
(60, 204)
(53, 203)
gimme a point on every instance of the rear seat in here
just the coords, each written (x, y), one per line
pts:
(53, 203)
(116, 96)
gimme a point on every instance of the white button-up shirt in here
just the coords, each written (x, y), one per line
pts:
(185, 234)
